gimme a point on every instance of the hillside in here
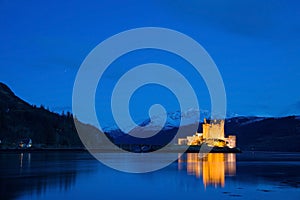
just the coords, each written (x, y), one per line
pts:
(266, 134)
(253, 133)
(19, 120)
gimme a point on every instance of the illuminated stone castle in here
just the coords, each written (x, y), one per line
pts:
(214, 130)
(213, 135)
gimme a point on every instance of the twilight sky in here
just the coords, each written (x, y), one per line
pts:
(255, 44)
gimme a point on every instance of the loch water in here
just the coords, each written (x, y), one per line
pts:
(78, 175)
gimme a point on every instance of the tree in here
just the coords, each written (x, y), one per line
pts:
(1, 120)
(50, 134)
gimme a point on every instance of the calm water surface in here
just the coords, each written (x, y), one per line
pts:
(62, 175)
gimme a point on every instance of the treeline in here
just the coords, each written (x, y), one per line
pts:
(19, 120)
(42, 126)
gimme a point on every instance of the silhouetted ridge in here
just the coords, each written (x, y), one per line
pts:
(19, 120)
(5, 89)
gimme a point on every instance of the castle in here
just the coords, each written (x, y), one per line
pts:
(213, 135)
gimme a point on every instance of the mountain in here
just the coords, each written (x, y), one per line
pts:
(173, 119)
(253, 133)
(266, 133)
(19, 120)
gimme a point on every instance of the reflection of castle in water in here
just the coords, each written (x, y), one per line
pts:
(213, 167)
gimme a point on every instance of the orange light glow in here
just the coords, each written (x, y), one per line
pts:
(212, 167)
(214, 170)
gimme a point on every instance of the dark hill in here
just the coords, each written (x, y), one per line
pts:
(19, 120)
(253, 133)
(266, 134)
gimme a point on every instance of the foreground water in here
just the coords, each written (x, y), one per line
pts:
(65, 175)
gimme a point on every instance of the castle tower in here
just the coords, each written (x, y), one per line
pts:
(214, 130)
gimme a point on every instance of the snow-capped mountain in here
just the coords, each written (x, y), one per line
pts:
(191, 116)
(172, 120)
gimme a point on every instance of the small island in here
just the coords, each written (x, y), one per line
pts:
(213, 137)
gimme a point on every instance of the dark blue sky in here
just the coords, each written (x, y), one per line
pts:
(255, 44)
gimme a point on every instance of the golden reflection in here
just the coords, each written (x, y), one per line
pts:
(194, 166)
(213, 167)
(214, 170)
